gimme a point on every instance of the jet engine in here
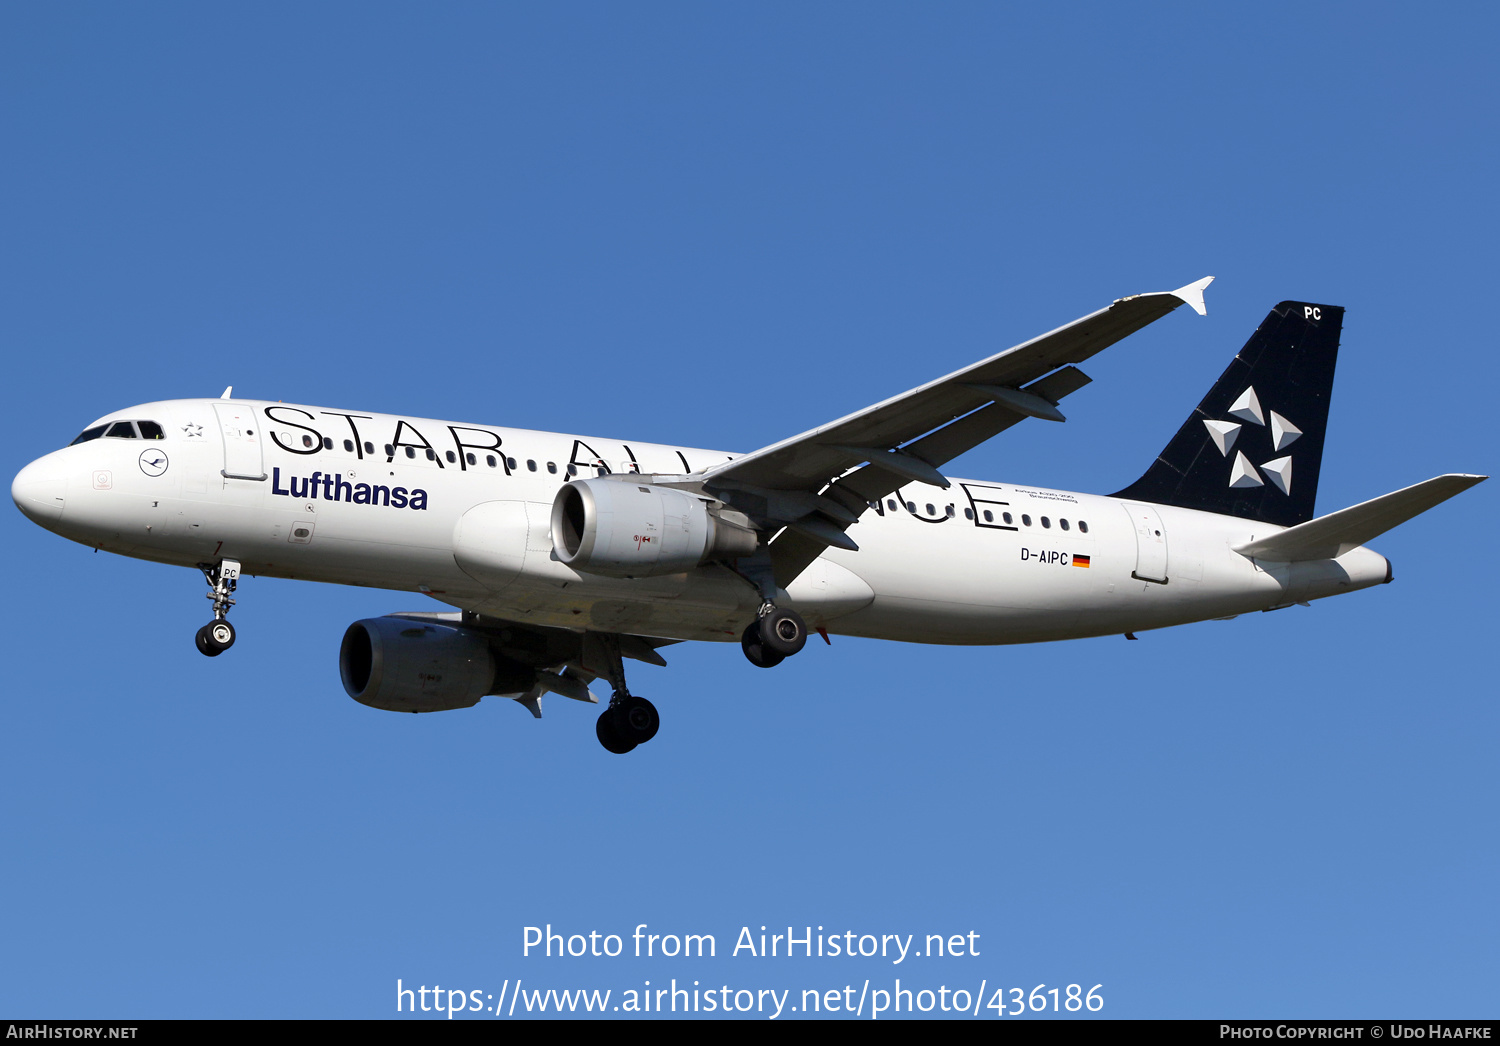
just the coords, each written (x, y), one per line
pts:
(622, 528)
(402, 665)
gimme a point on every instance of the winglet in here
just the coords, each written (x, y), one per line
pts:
(1193, 295)
(228, 392)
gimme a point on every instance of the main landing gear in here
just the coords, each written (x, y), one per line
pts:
(629, 720)
(218, 635)
(775, 635)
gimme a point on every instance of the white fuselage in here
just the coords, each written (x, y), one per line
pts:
(356, 498)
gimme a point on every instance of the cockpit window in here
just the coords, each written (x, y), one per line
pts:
(122, 430)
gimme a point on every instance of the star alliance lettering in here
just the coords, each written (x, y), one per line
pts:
(335, 487)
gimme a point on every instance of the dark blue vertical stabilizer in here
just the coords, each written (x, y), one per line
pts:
(1254, 446)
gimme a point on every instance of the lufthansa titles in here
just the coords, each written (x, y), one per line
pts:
(334, 487)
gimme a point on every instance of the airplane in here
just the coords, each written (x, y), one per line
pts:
(565, 555)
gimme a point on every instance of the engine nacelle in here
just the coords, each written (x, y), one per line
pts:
(627, 529)
(403, 665)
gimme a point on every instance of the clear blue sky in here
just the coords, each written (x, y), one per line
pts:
(719, 225)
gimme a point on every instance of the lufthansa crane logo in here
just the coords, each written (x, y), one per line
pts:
(153, 462)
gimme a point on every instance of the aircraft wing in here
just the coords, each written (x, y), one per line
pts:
(805, 484)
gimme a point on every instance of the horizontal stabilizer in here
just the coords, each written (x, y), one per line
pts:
(1330, 536)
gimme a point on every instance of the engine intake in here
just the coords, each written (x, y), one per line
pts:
(628, 529)
(402, 665)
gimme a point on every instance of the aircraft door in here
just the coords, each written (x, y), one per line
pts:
(1150, 542)
(242, 441)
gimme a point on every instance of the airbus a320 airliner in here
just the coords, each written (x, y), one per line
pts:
(567, 554)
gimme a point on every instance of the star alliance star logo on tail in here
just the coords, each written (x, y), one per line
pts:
(1283, 433)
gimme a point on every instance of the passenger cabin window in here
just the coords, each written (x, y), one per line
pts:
(1025, 519)
(471, 459)
(890, 503)
(1063, 523)
(348, 446)
(369, 447)
(489, 459)
(530, 465)
(552, 467)
(328, 443)
(452, 457)
(122, 430)
(1083, 528)
(1046, 523)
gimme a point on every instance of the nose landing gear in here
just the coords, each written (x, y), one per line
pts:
(218, 635)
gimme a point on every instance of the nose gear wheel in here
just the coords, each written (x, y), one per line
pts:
(215, 637)
(218, 635)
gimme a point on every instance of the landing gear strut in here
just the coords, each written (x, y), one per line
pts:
(775, 635)
(629, 720)
(218, 635)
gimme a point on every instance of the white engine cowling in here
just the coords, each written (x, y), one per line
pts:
(403, 665)
(625, 529)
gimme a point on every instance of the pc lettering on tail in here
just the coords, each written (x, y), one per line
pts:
(559, 557)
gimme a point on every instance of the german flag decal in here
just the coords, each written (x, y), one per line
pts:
(1081, 561)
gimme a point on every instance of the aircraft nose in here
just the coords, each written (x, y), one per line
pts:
(38, 491)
